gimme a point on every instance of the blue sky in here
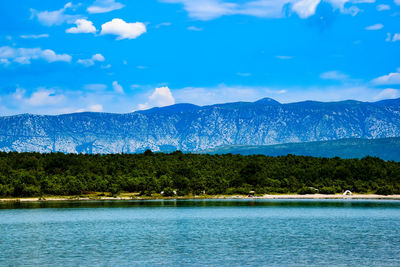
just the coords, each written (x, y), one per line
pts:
(120, 56)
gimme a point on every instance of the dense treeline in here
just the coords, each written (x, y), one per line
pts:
(35, 174)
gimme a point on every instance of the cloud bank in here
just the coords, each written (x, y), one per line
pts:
(212, 9)
(26, 55)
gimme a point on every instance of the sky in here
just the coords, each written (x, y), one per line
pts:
(125, 55)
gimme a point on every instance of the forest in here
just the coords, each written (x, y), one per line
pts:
(58, 174)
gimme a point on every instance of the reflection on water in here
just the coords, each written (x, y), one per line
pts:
(201, 233)
(345, 203)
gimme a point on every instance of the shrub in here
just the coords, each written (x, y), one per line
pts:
(306, 190)
(183, 192)
(384, 190)
(168, 192)
(115, 190)
(6, 191)
(231, 191)
(31, 190)
(327, 190)
(147, 193)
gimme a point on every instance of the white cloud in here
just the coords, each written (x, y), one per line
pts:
(44, 97)
(212, 9)
(305, 8)
(382, 7)
(163, 24)
(397, 2)
(91, 61)
(391, 78)
(161, 97)
(363, 1)
(51, 56)
(123, 29)
(60, 101)
(353, 10)
(7, 52)
(206, 9)
(194, 28)
(117, 87)
(284, 57)
(4, 61)
(57, 17)
(83, 26)
(388, 93)
(108, 66)
(388, 37)
(396, 37)
(19, 94)
(334, 75)
(95, 87)
(91, 108)
(96, 108)
(374, 27)
(25, 55)
(34, 36)
(104, 6)
(264, 8)
(98, 57)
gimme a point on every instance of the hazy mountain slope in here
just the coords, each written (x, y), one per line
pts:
(191, 128)
(386, 148)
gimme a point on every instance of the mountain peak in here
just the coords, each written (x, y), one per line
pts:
(267, 101)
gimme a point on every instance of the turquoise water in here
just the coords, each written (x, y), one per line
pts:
(201, 233)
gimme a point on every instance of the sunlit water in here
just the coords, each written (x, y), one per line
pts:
(201, 233)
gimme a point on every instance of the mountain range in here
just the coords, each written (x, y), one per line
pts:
(194, 128)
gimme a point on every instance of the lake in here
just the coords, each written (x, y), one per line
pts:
(201, 233)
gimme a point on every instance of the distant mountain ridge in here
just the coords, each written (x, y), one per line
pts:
(189, 127)
(385, 148)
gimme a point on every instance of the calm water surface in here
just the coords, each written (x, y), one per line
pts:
(201, 233)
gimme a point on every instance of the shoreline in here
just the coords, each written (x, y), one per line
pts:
(283, 197)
